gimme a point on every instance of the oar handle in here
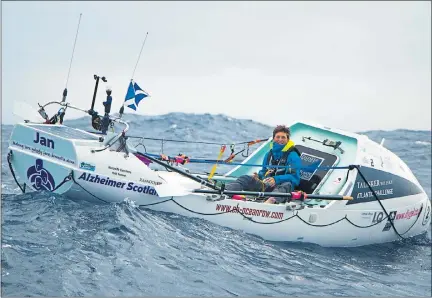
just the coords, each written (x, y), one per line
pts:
(329, 197)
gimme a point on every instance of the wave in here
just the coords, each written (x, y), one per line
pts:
(422, 143)
(69, 247)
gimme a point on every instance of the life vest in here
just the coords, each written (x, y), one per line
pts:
(289, 147)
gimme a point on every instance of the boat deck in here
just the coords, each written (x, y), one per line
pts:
(65, 132)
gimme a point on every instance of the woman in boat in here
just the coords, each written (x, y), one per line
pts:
(283, 178)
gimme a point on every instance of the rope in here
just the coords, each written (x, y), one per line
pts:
(9, 157)
(288, 218)
(321, 226)
(363, 227)
(379, 201)
(200, 213)
(157, 203)
(418, 216)
(351, 167)
(66, 179)
(263, 223)
(73, 178)
(382, 206)
(70, 176)
(275, 222)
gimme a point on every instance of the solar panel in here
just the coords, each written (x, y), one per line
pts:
(66, 132)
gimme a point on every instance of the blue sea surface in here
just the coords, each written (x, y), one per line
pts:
(55, 246)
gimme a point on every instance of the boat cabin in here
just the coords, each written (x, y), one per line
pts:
(319, 147)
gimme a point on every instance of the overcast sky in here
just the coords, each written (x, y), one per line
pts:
(351, 65)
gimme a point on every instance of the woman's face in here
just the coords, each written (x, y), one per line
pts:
(281, 138)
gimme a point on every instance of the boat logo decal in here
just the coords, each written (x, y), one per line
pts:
(87, 166)
(40, 178)
(394, 215)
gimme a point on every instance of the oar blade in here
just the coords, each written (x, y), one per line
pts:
(171, 190)
(24, 111)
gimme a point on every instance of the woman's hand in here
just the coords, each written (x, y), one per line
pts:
(269, 181)
(270, 200)
(255, 176)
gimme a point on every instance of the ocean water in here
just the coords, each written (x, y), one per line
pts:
(54, 246)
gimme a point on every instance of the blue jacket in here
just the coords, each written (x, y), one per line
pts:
(293, 160)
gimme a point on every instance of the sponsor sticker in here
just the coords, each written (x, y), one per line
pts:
(367, 214)
(109, 182)
(408, 214)
(119, 171)
(87, 166)
(149, 181)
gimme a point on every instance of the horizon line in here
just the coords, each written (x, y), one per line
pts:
(221, 114)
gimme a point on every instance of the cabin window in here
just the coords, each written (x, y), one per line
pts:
(310, 179)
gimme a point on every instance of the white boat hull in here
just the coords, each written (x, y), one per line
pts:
(50, 162)
(325, 227)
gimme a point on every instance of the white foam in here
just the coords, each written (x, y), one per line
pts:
(422, 143)
(130, 202)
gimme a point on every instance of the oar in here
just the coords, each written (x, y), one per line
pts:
(25, 111)
(272, 194)
(213, 170)
(197, 179)
(173, 190)
(177, 190)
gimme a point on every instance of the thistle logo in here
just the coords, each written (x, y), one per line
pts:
(39, 177)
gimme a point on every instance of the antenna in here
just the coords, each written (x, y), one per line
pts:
(139, 56)
(133, 73)
(70, 65)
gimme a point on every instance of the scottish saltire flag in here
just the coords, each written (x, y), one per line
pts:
(134, 95)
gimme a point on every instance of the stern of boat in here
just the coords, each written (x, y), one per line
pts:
(42, 156)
